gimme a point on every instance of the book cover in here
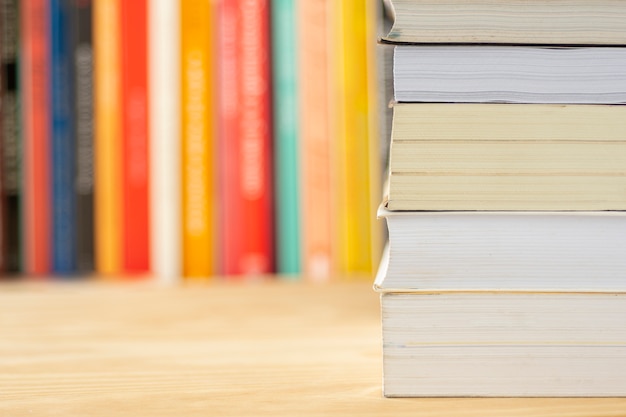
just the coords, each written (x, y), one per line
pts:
(84, 130)
(245, 138)
(198, 139)
(356, 176)
(107, 139)
(135, 162)
(287, 167)
(313, 73)
(9, 136)
(62, 139)
(35, 116)
(165, 147)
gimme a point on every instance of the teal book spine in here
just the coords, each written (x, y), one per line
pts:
(286, 137)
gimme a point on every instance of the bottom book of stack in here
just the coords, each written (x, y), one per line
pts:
(504, 304)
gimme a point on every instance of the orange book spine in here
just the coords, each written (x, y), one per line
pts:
(107, 141)
(198, 173)
(135, 163)
(35, 129)
(315, 134)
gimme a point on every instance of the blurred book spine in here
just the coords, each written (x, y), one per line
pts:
(198, 139)
(287, 171)
(9, 137)
(108, 137)
(134, 69)
(35, 100)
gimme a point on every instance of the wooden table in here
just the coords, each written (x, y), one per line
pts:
(261, 349)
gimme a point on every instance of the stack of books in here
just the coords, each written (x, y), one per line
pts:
(505, 272)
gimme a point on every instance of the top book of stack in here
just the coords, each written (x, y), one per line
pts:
(537, 22)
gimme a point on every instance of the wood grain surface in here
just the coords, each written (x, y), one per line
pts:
(253, 349)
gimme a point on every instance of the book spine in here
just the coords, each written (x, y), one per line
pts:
(3, 218)
(84, 130)
(286, 137)
(315, 140)
(11, 152)
(198, 139)
(245, 138)
(107, 139)
(10, 144)
(356, 176)
(34, 19)
(135, 186)
(165, 148)
(62, 139)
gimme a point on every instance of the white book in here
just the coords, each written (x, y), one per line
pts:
(538, 251)
(504, 344)
(515, 74)
(165, 139)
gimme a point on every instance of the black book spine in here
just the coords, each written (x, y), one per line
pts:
(83, 70)
(10, 138)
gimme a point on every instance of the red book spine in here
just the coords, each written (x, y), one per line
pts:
(35, 129)
(136, 216)
(245, 137)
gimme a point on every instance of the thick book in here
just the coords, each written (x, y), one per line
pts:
(9, 137)
(507, 157)
(135, 162)
(165, 149)
(287, 154)
(198, 133)
(83, 62)
(517, 74)
(354, 126)
(315, 139)
(504, 344)
(35, 130)
(245, 138)
(62, 139)
(517, 250)
(571, 22)
(107, 137)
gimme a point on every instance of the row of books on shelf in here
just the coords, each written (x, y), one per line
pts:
(505, 272)
(189, 138)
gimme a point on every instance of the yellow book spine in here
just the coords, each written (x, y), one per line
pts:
(356, 169)
(107, 141)
(198, 178)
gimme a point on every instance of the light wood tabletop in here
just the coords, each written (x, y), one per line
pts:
(253, 349)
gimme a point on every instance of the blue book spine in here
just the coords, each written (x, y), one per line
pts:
(64, 233)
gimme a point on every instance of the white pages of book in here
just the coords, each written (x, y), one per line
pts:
(516, 74)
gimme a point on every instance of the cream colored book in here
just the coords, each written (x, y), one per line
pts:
(507, 157)
(572, 22)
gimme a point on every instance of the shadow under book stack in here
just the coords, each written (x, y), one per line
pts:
(505, 273)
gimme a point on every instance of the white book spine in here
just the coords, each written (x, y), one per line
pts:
(164, 61)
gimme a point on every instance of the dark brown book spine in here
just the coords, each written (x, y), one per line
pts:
(9, 135)
(83, 70)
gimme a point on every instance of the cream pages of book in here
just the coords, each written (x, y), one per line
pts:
(567, 22)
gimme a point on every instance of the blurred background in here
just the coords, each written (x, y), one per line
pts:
(192, 139)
